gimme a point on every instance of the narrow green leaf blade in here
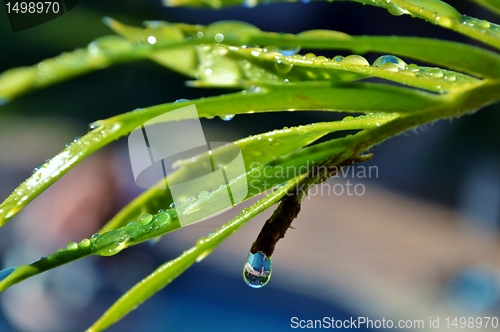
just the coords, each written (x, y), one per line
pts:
(378, 98)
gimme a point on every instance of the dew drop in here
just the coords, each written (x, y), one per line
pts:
(390, 67)
(451, 78)
(389, 59)
(320, 59)
(290, 51)
(191, 199)
(413, 67)
(257, 270)
(348, 118)
(203, 194)
(337, 58)
(173, 205)
(85, 243)
(219, 38)
(72, 246)
(437, 73)
(161, 211)
(226, 117)
(395, 9)
(181, 100)
(283, 67)
(161, 220)
(36, 169)
(270, 49)
(114, 242)
(95, 235)
(356, 60)
(146, 219)
(76, 139)
(6, 272)
(93, 126)
(483, 24)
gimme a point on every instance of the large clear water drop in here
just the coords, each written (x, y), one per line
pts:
(257, 270)
(389, 59)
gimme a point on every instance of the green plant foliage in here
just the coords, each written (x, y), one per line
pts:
(270, 77)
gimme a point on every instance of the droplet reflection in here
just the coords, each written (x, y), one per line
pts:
(257, 270)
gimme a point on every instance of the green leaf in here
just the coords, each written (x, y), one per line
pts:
(256, 150)
(379, 98)
(167, 272)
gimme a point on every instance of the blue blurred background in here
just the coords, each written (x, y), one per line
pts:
(421, 243)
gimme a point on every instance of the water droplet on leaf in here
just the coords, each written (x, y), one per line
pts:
(391, 59)
(290, 51)
(354, 59)
(72, 246)
(146, 219)
(85, 243)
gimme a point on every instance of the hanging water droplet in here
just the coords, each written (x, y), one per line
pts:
(72, 246)
(257, 270)
(391, 59)
(226, 117)
(283, 67)
(6, 272)
(289, 51)
(146, 219)
(395, 9)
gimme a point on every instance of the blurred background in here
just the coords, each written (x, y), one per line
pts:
(421, 243)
